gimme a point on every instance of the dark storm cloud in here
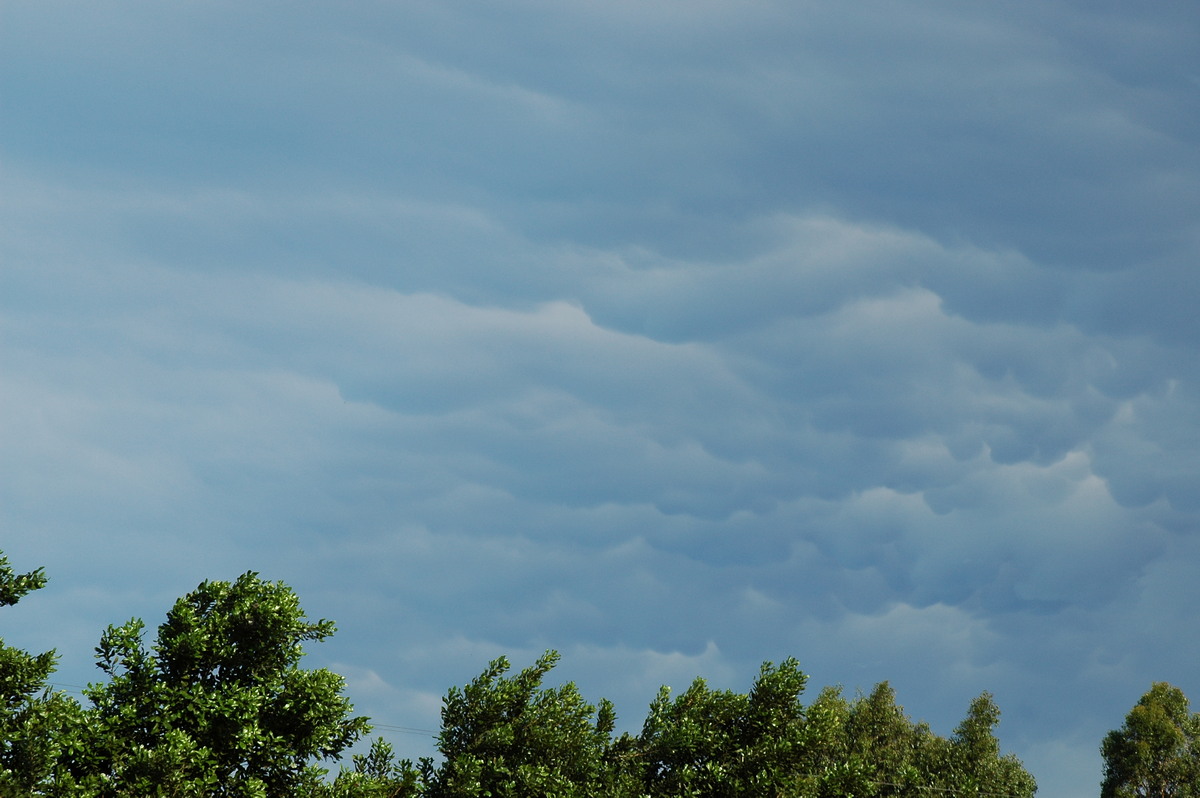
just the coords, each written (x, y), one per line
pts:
(676, 337)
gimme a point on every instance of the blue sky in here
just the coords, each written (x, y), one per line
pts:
(673, 336)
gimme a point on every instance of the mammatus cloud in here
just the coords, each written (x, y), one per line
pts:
(674, 338)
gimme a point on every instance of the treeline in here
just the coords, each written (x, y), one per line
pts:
(218, 706)
(508, 735)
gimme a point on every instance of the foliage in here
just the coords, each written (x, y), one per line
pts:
(31, 717)
(376, 774)
(14, 586)
(721, 743)
(509, 736)
(975, 764)
(1156, 753)
(218, 707)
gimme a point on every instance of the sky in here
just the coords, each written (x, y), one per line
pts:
(673, 336)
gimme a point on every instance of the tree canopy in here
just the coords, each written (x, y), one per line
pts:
(218, 705)
(31, 715)
(1156, 753)
(512, 737)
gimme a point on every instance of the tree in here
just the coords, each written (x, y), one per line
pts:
(509, 736)
(31, 717)
(975, 765)
(884, 746)
(721, 743)
(1154, 754)
(218, 706)
(828, 766)
(376, 774)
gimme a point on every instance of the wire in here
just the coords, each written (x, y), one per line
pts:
(77, 688)
(404, 729)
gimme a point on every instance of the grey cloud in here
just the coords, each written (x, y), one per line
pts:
(853, 334)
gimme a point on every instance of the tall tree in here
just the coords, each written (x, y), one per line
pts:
(219, 705)
(975, 765)
(1155, 753)
(885, 746)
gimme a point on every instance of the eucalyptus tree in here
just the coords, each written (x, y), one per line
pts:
(1156, 753)
(975, 766)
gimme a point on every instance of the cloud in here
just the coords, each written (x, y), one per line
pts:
(674, 337)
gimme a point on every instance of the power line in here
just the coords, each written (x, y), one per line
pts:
(404, 729)
(77, 688)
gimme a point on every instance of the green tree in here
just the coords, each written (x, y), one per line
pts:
(721, 743)
(884, 745)
(510, 737)
(974, 764)
(828, 766)
(219, 705)
(32, 717)
(376, 774)
(1155, 753)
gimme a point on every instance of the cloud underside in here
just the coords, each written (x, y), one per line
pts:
(676, 338)
(828, 425)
